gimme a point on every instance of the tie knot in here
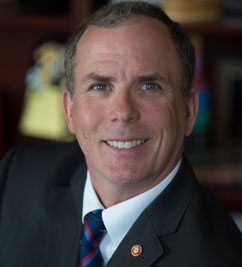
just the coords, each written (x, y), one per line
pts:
(94, 228)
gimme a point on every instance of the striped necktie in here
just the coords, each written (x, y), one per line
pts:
(93, 231)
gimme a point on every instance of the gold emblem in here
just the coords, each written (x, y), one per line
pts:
(136, 250)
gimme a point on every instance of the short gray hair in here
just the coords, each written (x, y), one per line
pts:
(126, 13)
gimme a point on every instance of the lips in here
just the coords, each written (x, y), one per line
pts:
(126, 144)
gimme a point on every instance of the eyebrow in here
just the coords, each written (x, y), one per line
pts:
(151, 78)
(97, 77)
(140, 79)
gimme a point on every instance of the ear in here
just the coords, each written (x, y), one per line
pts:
(192, 104)
(67, 104)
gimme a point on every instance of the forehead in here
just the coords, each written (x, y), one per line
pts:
(146, 41)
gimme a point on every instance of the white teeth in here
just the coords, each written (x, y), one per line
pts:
(121, 144)
(127, 144)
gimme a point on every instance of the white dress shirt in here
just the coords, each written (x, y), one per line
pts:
(119, 218)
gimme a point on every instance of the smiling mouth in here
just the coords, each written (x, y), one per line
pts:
(126, 144)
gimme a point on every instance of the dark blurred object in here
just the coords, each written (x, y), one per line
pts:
(8, 6)
(218, 167)
(236, 122)
(44, 6)
(232, 10)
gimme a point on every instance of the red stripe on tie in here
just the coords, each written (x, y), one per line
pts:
(89, 233)
(87, 257)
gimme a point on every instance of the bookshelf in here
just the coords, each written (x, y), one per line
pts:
(22, 31)
(215, 29)
(27, 22)
(218, 165)
(222, 46)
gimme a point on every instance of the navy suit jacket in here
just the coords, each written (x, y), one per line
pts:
(41, 190)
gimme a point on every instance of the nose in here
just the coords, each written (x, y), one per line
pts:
(124, 108)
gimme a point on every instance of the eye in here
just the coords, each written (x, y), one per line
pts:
(100, 87)
(150, 86)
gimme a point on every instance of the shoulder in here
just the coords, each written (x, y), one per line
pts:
(204, 226)
(46, 151)
(42, 154)
(41, 162)
(213, 231)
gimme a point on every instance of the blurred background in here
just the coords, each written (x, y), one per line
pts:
(33, 34)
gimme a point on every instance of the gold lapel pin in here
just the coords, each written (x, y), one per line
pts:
(136, 250)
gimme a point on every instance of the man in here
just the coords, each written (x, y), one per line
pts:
(130, 104)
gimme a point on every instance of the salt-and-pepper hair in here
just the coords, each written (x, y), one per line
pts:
(126, 13)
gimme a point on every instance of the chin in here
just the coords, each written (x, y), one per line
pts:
(125, 176)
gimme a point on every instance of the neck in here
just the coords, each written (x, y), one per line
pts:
(111, 191)
(111, 194)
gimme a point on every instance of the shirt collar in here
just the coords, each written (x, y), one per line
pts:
(90, 199)
(119, 218)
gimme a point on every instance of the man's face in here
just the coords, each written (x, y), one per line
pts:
(127, 112)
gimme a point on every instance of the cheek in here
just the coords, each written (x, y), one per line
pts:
(167, 119)
(86, 119)
(159, 116)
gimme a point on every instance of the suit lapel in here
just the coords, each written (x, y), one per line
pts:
(161, 218)
(64, 226)
(143, 234)
(167, 210)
